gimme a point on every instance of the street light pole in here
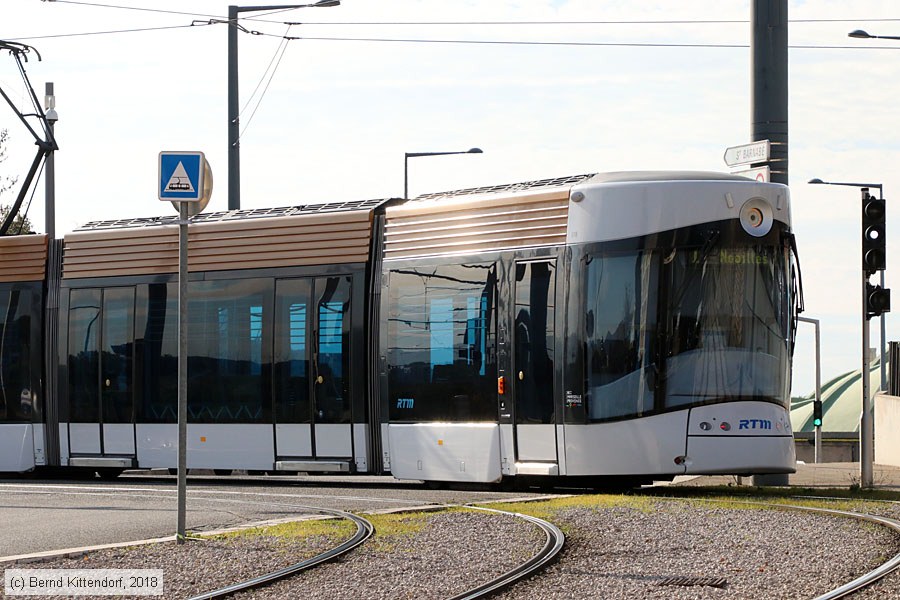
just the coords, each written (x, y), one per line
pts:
(866, 423)
(860, 34)
(234, 129)
(408, 155)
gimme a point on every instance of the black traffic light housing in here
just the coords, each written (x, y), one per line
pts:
(817, 413)
(874, 243)
(878, 300)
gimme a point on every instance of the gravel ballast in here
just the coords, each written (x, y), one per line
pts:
(612, 551)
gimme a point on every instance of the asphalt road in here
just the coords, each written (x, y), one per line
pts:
(42, 515)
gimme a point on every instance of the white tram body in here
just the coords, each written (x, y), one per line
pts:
(643, 327)
(631, 326)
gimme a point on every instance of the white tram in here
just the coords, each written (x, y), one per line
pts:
(619, 326)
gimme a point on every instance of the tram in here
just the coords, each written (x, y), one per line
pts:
(613, 326)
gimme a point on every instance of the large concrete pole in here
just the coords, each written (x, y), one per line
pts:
(769, 110)
(769, 65)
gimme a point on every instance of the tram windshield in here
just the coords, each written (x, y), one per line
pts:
(668, 327)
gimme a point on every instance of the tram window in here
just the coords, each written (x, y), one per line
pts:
(332, 389)
(441, 340)
(728, 320)
(291, 362)
(16, 395)
(226, 352)
(622, 292)
(117, 333)
(159, 366)
(84, 355)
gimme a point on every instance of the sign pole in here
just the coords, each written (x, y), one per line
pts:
(182, 367)
(185, 180)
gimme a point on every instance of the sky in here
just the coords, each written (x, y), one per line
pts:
(337, 114)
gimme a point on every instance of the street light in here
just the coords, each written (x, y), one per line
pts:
(408, 155)
(866, 428)
(860, 34)
(234, 130)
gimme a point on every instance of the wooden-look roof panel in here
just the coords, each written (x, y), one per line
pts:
(296, 240)
(23, 257)
(470, 224)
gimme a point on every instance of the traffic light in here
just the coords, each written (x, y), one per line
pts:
(878, 300)
(874, 249)
(817, 413)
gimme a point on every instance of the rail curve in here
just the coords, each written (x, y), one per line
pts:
(553, 545)
(364, 531)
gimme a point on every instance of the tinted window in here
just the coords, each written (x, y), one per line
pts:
(116, 354)
(292, 351)
(227, 353)
(16, 394)
(621, 298)
(84, 356)
(702, 316)
(332, 350)
(728, 320)
(533, 341)
(159, 363)
(441, 340)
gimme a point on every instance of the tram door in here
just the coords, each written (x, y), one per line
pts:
(534, 360)
(100, 371)
(312, 368)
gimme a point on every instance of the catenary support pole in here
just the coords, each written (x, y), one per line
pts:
(769, 65)
(50, 166)
(234, 130)
(769, 110)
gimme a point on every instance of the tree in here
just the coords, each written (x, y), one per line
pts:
(21, 224)
(5, 182)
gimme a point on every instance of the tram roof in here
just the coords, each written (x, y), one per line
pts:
(572, 180)
(239, 214)
(536, 185)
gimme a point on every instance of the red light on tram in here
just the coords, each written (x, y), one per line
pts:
(725, 426)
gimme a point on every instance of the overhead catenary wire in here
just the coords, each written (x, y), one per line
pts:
(216, 21)
(536, 22)
(33, 190)
(106, 32)
(270, 70)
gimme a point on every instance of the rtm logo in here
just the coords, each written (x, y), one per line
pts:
(755, 424)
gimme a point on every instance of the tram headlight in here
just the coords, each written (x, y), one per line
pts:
(757, 217)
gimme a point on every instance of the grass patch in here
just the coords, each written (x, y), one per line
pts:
(773, 492)
(336, 529)
(547, 509)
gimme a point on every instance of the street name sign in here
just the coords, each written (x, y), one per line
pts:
(181, 176)
(748, 153)
(763, 174)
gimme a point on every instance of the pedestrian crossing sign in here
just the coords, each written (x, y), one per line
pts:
(181, 176)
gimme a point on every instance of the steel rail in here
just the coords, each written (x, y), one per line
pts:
(872, 576)
(860, 582)
(555, 539)
(364, 531)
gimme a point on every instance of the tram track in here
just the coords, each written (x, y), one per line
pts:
(364, 530)
(859, 583)
(553, 545)
(548, 553)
